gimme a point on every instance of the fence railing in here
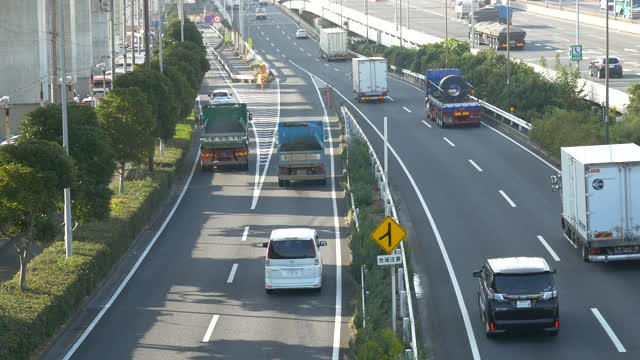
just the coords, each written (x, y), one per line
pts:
(353, 129)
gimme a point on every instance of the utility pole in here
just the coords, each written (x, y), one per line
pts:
(401, 42)
(133, 37)
(508, 46)
(54, 54)
(473, 22)
(408, 11)
(606, 81)
(112, 26)
(68, 234)
(181, 12)
(124, 33)
(578, 29)
(366, 13)
(160, 35)
(147, 33)
(446, 33)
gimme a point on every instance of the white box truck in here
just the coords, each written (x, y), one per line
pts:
(333, 44)
(369, 77)
(600, 188)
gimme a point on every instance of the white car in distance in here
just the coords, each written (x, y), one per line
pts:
(293, 260)
(301, 34)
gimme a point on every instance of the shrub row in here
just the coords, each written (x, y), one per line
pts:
(377, 340)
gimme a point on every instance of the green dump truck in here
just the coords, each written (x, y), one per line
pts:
(224, 142)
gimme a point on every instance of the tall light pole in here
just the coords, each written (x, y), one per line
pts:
(181, 12)
(124, 33)
(68, 234)
(147, 33)
(133, 37)
(160, 35)
(446, 33)
(112, 26)
(366, 13)
(578, 29)
(401, 42)
(5, 103)
(508, 45)
(408, 11)
(606, 80)
(473, 22)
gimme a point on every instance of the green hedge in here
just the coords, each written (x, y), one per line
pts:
(55, 286)
(377, 341)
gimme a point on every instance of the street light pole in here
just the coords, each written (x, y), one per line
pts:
(606, 80)
(68, 234)
(400, 18)
(181, 11)
(113, 44)
(473, 22)
(446, 33)
(147, 33)
(366, 12)
(508, 45)
(5, 102)
(133, 36)
(124, 33)
(160, 35)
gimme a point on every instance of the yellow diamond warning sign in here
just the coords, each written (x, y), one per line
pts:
(388, 234)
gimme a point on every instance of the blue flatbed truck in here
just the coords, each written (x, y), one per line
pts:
(301, 152)
(447, 99)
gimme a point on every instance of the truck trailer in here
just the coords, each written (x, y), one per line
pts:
(333, 44)
(494, 34)
(224, 141)
(301, 152)
(600, 187)
(447, 99)
(369, 76)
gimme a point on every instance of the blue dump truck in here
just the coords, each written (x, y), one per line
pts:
(301, 152)
(447, 99)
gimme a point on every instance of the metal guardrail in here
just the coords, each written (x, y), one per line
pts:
(490, 110)
(354, 129)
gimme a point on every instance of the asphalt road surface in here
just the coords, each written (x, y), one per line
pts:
(546, 36)
(465, 195)
(199, 293)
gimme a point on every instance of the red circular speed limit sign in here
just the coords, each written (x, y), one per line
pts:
(217, 19)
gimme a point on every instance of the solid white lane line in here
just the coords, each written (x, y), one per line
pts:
(475, 165)
(426, 123)
(336, 225)
(570, 242)
(135, 267)
(507, 198)
(632, 50)
(473, 344)
(405, 109)
(549, 249)
(608, 330)
(212, 324)
(449, 141)
(232, 274)
(597, 37)
(559, 38)
(245, 233)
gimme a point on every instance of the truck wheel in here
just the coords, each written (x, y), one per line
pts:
(584, 251)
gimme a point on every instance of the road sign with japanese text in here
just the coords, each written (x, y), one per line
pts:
(394, 259)
(388, 234)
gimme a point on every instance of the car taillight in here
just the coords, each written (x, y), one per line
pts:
(492, 326)
(557, 324)
(595, 251)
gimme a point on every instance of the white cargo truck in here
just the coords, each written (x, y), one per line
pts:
(369, 77)
(333, 44)
(600, 188)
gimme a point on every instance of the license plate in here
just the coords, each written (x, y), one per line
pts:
(523, 304)
(627, 249)
(292, 273)
(611, 66)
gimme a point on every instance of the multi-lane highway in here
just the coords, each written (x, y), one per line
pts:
(199, 293)
(546, 36)
(466, 195)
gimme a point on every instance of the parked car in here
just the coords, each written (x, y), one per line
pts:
(597, 67)
(301, 34)
(517, 292)
(293, 260)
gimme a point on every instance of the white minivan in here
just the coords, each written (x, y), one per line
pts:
(293, 260)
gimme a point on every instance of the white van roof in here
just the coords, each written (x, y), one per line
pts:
(295, 233)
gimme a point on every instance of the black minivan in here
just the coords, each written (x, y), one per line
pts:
(516, 293)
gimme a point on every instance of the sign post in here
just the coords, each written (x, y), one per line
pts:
(576, 52)
(388, 235)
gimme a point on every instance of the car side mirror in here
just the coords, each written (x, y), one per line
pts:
(322, 243)
(476, 274)
(265, 244)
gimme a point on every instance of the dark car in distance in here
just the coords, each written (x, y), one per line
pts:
(518, 293)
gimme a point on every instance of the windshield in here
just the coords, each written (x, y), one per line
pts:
(292, 249)
(520, 284)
